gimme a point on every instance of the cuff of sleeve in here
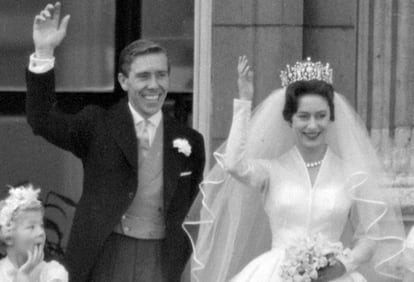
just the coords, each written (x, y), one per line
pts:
(37, 65)
(349, 263)
(241, 110)
(242, 104)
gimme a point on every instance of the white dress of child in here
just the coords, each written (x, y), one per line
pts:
(44, 272)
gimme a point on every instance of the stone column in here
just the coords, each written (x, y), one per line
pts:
(329, 36)
(385, 81)
(404, 88)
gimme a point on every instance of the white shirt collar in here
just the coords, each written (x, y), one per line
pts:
(154, 120)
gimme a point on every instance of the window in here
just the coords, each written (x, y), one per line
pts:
(171, 23)
(85, 60)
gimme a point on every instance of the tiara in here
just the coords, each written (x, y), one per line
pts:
(18, 197)
(306, 70)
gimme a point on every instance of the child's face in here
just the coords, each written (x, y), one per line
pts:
(29, 231)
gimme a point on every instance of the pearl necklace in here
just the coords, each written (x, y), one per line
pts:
(314, 164)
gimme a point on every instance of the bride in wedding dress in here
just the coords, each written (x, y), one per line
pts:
(300, 165)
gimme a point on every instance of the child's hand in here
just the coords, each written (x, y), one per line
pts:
(33, 259)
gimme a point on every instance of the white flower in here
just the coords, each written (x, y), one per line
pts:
(183, 146)
(323, 262)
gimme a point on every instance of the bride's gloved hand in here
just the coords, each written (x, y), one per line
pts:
(245, 79)
(331, 272)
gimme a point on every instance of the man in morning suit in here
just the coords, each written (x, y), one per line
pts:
(141, 168)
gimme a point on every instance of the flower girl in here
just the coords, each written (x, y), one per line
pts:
(23, 234)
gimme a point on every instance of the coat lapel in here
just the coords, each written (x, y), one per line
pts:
(171, 163)
(121, 126)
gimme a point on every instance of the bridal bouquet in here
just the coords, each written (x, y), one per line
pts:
(308, 255)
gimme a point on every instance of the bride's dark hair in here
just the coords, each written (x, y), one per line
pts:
(298, 89)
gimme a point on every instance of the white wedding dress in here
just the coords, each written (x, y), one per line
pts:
(295, 206)
(259, 197)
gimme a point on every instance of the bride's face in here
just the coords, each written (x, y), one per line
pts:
(311, 120)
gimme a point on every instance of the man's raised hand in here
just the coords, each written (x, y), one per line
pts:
(49, 30)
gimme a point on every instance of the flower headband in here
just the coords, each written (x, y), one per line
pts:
(19, 197)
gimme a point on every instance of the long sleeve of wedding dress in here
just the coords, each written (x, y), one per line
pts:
(253, 172)
(363, 247)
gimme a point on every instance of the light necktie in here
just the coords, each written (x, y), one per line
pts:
(144, 142)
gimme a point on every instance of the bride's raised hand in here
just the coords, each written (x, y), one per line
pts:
(245, 79)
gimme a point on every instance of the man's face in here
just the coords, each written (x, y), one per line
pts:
(147, 83)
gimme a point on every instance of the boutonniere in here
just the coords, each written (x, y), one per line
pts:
(183, 146)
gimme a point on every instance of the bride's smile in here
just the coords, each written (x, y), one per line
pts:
(311, 121)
